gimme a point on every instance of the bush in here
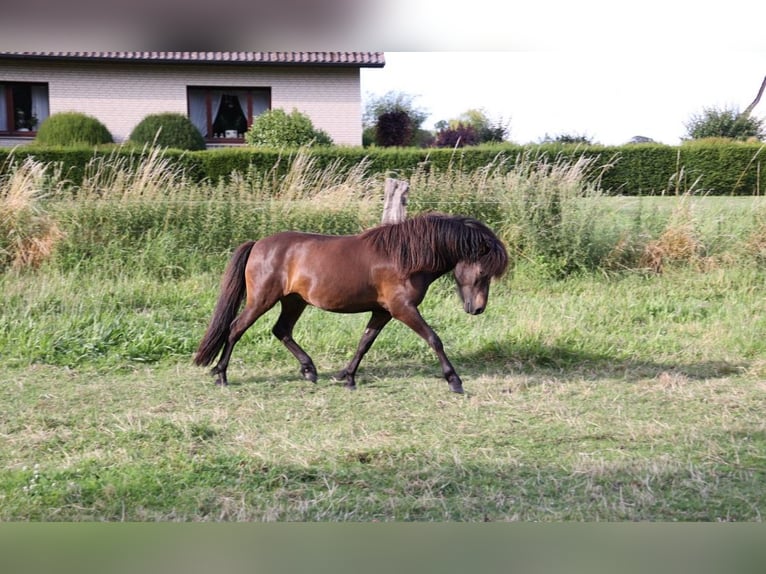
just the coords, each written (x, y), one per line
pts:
(725, 123)
(277, 128)
(460, 135)
(72, 129)
(394, 128)
(168, 130)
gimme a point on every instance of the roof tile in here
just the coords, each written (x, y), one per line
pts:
(361, 59)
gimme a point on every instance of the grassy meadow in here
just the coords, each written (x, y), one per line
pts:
(617, 374)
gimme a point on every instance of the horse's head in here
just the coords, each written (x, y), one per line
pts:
(474, 273)
(472, 286)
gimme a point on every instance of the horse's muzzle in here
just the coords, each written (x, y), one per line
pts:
(472, 310)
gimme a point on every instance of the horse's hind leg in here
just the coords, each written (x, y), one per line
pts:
(242, 323)
(292, 308)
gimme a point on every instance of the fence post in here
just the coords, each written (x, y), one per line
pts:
(395, 200)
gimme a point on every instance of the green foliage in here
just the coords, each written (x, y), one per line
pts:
(725, 123)
(554, 214)
(169, 130)
(276, 128)
(368, 136)
(72, 129)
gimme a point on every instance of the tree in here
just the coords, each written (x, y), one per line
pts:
(487, 130)
(728, 122)
(397, 112)
(567, 138)
(470, 128)
(725, 123)
(394, 128)
(459, 135)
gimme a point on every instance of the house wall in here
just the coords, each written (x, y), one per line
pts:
(121, 95)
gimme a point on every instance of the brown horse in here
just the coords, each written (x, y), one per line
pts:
(385, 270)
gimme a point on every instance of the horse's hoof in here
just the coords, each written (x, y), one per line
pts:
(350, 386)
(456, 386)
(309, 374)
(340, 376)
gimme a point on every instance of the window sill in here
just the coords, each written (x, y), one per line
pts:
(224, 142)
(13, 140)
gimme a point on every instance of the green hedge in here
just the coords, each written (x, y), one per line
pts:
(642, 169)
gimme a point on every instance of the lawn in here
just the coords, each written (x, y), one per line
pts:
(617, 374)
(631, 397)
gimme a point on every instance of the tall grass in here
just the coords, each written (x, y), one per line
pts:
(141, 212)
(150, 217)
(28, 233)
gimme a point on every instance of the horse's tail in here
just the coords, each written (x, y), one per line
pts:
(233, 289)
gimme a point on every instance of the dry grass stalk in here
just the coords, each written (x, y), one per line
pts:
(678, 243)
(755, 244)
(29, 234)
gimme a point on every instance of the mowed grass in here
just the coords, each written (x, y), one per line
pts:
(629, 397)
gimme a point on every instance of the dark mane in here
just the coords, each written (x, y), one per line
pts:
(436, 242)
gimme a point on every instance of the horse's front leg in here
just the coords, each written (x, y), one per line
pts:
(410, 316)
(375, 325)
(292, 308)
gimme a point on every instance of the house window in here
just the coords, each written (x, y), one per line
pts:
(222, 114)
(22, 107)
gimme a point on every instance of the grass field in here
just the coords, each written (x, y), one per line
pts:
(594, 398)
(617, 374)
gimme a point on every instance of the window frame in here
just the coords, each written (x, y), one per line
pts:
(208, 93)
(10, 109)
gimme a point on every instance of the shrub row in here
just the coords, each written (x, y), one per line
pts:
(645, 169)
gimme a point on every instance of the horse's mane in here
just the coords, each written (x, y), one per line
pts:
(436, 242)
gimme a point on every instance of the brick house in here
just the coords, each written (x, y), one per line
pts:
(219, 91)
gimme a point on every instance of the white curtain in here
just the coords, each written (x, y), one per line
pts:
(217, 98)
(198, 110)
(3, 111)
(40, 108)
(242, 99)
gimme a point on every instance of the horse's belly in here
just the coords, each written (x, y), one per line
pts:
(340, 300)
(334, 293)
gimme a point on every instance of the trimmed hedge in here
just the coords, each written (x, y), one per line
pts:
(641, 169)
(168, 129)
(72, 129)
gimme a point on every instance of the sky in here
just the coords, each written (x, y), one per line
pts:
(603, 69)
(607, 95)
